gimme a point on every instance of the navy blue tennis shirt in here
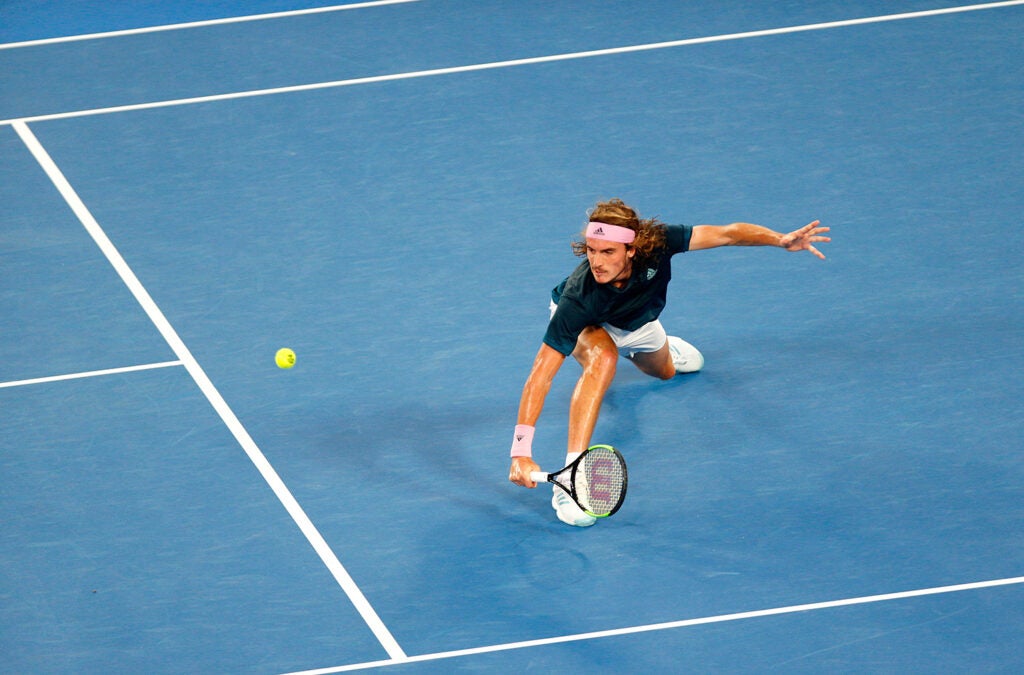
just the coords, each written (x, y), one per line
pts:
(583, 302)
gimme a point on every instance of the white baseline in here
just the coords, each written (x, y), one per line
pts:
(198, 24)
(514, 62)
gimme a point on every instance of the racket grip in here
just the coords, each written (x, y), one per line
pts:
(539, 476)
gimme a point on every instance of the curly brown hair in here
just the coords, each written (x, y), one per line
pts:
(650, 232)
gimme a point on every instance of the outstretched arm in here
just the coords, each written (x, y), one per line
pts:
(748, 234)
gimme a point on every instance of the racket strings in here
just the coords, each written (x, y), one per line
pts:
(600, 481)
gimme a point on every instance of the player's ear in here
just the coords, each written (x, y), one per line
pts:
(630, 251)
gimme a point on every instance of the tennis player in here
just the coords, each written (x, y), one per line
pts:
(609, 306)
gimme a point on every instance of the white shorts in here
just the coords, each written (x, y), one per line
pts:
(649, 337)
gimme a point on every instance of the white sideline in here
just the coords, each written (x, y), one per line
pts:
(205, 385)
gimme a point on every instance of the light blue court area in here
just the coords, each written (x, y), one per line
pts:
(137, 537)
(391, 191)
(64, 311)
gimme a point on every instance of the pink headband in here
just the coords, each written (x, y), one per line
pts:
(622, 235)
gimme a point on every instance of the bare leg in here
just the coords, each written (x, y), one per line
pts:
(598, 355)
(656, 364)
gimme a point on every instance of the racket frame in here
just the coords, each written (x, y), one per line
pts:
(570, 489)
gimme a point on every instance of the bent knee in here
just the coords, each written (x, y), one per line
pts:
(596, 350)
(666, 373)
(601, 357)
(662, 371)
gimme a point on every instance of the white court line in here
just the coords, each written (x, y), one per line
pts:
(210, 391)
(91, 373)
(199, 24)
(793, 609)
(390, 645)
(513, 63)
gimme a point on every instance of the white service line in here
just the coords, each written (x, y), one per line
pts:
(210, 391)
(512, 63)
(199, 24)
(793, 609)
(91, 373)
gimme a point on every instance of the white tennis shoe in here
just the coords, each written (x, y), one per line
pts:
(685, 356)
(567, 510)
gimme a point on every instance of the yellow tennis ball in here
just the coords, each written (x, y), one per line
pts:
(285, 358)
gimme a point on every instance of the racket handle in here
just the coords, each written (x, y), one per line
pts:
(539, 476)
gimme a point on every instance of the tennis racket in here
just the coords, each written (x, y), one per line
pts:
(596, 480)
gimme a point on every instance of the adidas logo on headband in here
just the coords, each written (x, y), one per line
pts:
(621, 235)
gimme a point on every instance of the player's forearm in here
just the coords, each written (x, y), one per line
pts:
(532, 401)
(535, 391)
(530, 405)
(748, 234)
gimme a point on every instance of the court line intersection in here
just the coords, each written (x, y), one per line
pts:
(722, 618)
(91, 373)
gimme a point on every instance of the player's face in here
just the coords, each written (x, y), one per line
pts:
(610, 262)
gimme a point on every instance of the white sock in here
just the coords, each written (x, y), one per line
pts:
(569, 459)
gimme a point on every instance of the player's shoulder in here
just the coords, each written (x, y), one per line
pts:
(677, 238)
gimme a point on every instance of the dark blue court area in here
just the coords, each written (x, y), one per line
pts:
(390, 189)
